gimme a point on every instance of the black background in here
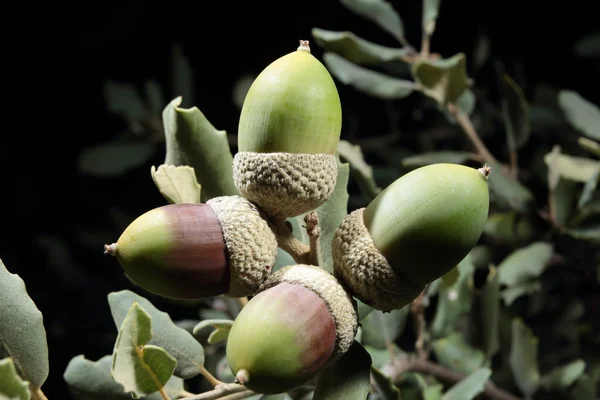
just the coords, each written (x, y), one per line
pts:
(67, 50)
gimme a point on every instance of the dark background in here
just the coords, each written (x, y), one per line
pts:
(72, 48)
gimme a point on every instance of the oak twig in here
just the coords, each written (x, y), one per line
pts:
(299, 251)
(209, 377)
(465, 123)
(36, 393)
(417, 308)
(219, 392)
(314, 231)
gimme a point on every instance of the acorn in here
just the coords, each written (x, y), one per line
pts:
(194, 251)
(300, 321)
(289, 129)
(413, 232)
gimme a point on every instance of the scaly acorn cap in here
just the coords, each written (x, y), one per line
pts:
(289, 129)
(412, 233)
(193, 251)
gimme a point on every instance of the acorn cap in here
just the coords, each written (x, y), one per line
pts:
(250, 241)
(285, 184)
(340, 303)
(292, 106)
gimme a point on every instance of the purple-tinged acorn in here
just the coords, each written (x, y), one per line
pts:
(193, 251)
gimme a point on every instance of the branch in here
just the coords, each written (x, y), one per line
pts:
(221, 391)
(417, 308)
(300, 252)
(36, 393)
(209, 377)
(465, 122)
(314, 231)
(399, 366)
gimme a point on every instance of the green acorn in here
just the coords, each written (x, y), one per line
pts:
(300, 320)
(193, 251)
(288, 133)
(412, 233)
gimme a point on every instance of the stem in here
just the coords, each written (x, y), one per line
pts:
(299, 251)
(314, 231)
(36, 393)
(219, 392)
(425, 44)
(209, 377)
(514, 167)
(428, 367)
(465, 122)
(417, 308)
(239, 396)
(163, 393)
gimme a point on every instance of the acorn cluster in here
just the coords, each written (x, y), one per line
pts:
(302, 318)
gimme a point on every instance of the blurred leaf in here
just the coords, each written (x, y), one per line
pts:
(182, 76)
(511, 293)
(564, 376)
(331, 213)
(12, 387)
(380, 357)
(433, 392)
(430, 14)
(481, 53)
(580, 113)
(508, 227)
(362, 171)
(22, 332)
(283, 259)
(481, 256)
(380, 329)
(564, 198)
(240, 89)
(347, 379)
(384, 385)
(141, 369)
(507, 192)
(584, 389)
(356, 49)
(523, 358)
(379, 11)
(363, 310)
(124, 99)
(154, 96)
(367, 81)
(444, 156)
(579, 169)
(466, 102)
(469, 387)
(221, 329)
(455, 353)
(176, 184)
(453, 301)
(524, 264)
(589, 188)
(591, 233)
(114, 158)
(192, 140)
(91, 380)
(443, 80)
(588, 46)
(589, 145)
(490, 312)
(516, 114)
(542, 118)
(178, 342)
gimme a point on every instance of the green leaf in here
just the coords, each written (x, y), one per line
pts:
(381, 329)
(510, 294)
(490, 314)
(283, 259)
(578, 169)
(178, 342)
(384, 385)
(469, 387)
(221, 326)
(454, 352)
(433, 392)
(589, 145)
(507, 192)
(379, 11)
(367, 81)
(443, 80)
(123, 99)
(331, 213)
(508, 227)
(525, 264)
(444, 156)
(356, 49)
(453, 301)
(591, 233)
(363, 310)
(347, 379)
(516, 114)
(380, 357)
(12, 387)
(115, 158)
(154, 96)
(182, 75)
(362, 171)
(192, 140)
(580, 113)
(563, 377)
(20, 315)
(431, 9)
(588, 46)
(523, 358)
(584, 389)
(141, 369)
(177, 184)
